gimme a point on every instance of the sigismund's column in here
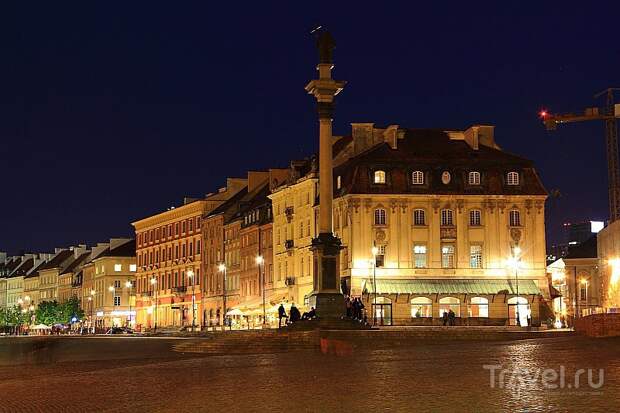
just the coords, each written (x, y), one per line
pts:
(326, 296)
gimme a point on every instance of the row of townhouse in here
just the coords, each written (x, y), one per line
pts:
(102, 278)
(430, 221)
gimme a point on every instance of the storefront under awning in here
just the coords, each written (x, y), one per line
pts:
(422, 287)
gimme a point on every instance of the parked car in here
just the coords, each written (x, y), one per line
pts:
(120, 330)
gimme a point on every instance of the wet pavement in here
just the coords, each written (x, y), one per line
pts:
(143, 374)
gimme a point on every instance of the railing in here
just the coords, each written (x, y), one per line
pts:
(447, 232)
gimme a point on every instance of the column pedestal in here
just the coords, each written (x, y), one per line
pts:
(326, 297)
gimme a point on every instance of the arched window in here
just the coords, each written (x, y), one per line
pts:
(518, 311)
(417, 178)
(512, 178)
(380, 216)
(449, 303)
(515, 218)
(475, 217)
(379, 177)
(447, 217)
(419, 217)
(421, 307)
(479, 307)
(474, 178)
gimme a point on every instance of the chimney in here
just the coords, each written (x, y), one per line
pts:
(362, 136)
(256, 179)
(486, 136)
(471, 137)
(390, 136)
(277, 176)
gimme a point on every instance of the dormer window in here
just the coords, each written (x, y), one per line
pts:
(445, 177)
(512, 178)
(417, 178)
(338, 182)
(474, 178)
(379, 177)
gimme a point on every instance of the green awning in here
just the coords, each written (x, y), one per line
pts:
(483, 287)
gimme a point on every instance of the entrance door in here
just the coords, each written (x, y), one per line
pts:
(383, 313)
(518, 307)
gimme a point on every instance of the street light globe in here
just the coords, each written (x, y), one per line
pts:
(153, 281)
(90, 298)
(190, 273)
(27, 298)
(260, 259)
(221, 267)
(128, 284)
(31, 308)
(374, 250)
(24, 311)
(111, 289)
(92, 292)
(20, 301)
(583, 281)
(516, 251)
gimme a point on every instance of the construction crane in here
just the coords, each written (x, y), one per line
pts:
(608, 114)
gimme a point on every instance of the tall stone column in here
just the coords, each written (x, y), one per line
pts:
(326, 296)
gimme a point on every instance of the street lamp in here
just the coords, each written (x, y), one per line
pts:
(92, 305)
(260, 261)
(153, 284)
(129, 285)
(222, 269)
(514, 262)
(584, 282)
(190, 275)
(111, 289)
(374, 251)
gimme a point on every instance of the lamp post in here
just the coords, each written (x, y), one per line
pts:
(260, 261)
(92, 304)
(515, 262)
(129, 285)
(190, 275)
(153, 284)
(374, 251)
(584, 282)
(112, 289)
(222, 269)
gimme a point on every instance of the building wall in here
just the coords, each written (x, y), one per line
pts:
(168, 246)
(608, 244)
(213, 236)
(113, 272)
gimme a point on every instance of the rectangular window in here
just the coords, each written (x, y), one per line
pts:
(132, 267)
(117, 300)
(447, 218)
(474, 217)
(118, 267)
(117, 283)
(419, 252)
(183, 227)
(419, 217)
(475, 256)
(515, 218)
(583, 293)
(380, 216)
(447, 256)
(380, 258)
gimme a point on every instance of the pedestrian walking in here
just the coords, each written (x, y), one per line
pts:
(445, 318)
(451, 317)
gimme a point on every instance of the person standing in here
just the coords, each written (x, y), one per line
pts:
(451, 318)
(445, 318)
(281, 315)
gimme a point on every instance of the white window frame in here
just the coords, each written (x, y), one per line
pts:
(474, 178)
(448, 256)
(117, 301)
(133, 267)
(447, 218)
(420, 252)
(380, 216)
(514, 218)
(419, 215)
(379, 177)
(475, 255)
(512, 178)
(417, 178)
(118, 267)
(475, 217)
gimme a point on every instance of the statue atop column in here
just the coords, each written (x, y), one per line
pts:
(325, 44)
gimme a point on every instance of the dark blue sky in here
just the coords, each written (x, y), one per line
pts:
(112, 112)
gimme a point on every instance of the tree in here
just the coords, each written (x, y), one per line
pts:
(72, 309)
(48, 313)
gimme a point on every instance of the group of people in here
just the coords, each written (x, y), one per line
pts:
(295, 315)
(355, 308)
(449, 318)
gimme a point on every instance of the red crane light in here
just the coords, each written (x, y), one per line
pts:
(543, 113)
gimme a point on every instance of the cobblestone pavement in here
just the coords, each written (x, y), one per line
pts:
(142, 374)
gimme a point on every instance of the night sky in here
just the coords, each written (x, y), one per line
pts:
(113, 112)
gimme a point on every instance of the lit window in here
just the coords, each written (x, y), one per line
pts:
(479, 307)
(447, 256)
(338, 182)
(117, 300)
(474, 217)
(379, 177)
(419, 253)
(421, 307)
(380, 216)
(132, 267)
(380, 257)
(417, 178)
(513, 178)
(475, 256)
(447, 217)
(118, 267)
(474, 178)
(515, 218)
(419, 217)
(449, 303)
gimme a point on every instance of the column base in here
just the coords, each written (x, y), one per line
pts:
(328, 305)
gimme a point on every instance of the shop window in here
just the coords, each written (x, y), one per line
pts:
(421, 307)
